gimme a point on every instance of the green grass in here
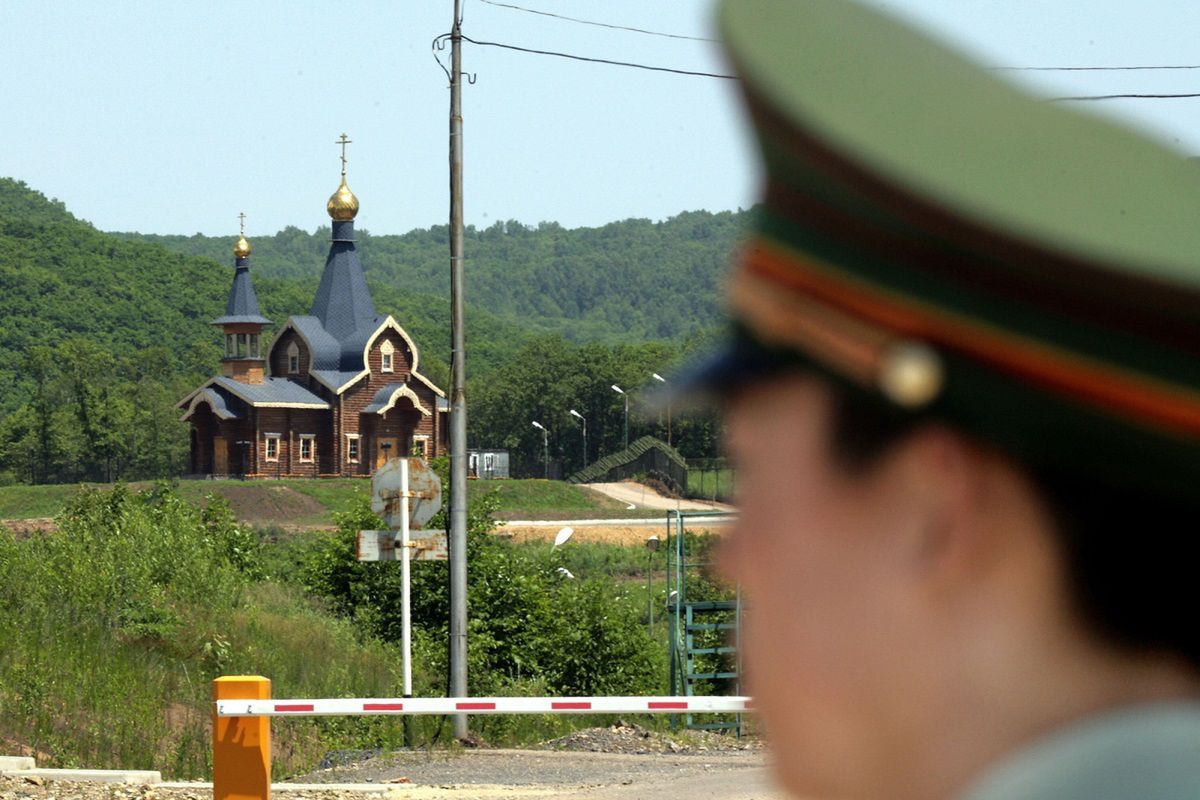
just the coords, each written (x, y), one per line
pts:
(270, 502)
(29, 502)
(711, 484)
(116, 625)
(333, 493)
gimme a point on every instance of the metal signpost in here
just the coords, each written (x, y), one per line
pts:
(406, 493)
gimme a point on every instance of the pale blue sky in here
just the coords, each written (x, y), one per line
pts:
(173, 117)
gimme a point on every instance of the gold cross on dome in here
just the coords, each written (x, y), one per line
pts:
(343, 142)
(242, 223)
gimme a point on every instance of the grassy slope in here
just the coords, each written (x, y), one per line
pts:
(308, 503)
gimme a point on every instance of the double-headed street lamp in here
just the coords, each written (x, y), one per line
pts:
(663, 380)
(621, 392)
(545, 445)
(582, 419)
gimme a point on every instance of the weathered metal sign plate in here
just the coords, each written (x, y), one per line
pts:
(429, 545)
(425, 490)
(376, 546)
(385, 545)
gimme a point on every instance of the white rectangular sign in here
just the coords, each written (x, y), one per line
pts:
(376, 546)
(385, 545)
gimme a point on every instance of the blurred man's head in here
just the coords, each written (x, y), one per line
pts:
(963, 391)
(914, 607)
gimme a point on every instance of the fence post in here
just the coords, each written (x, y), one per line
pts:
(241, 745)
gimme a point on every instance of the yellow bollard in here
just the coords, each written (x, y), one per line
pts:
(241, 745)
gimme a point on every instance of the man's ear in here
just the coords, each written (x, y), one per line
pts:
(946, 477)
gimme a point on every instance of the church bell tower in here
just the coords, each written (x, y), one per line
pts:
(242, 324)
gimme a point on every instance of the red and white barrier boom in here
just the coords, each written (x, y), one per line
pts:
(243, 707)
(481, 705)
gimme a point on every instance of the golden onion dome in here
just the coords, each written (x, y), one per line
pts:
(242, 248)
(343, 205)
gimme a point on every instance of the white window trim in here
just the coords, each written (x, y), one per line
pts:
(422, 437)
(357, 439)
(387, 359)
(267, 437)
(293, 359)
(311, 438)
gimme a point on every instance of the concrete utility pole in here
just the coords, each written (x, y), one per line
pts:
(458, 400)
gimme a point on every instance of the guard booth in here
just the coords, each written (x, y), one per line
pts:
(487, 465)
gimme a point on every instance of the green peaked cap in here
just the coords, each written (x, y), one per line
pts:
(946, 242)
(926, 118)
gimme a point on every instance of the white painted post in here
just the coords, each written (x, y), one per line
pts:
(406, 605)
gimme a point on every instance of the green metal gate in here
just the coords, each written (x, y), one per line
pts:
(704, 628)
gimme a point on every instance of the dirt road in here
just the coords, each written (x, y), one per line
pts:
(639, 496)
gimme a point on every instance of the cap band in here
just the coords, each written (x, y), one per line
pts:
(789, 298)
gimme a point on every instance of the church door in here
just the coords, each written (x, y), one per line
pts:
(220, 456)
(387, 447)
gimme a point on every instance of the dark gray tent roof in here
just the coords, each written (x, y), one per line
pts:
(242, 305)
(343, 302)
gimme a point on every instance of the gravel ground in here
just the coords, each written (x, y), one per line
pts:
(623, 760)
(527, 768)
(16, 787)
(620, 754)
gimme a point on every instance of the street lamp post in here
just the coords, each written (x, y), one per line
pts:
(663, 380)
(621, 392)
(582, 419)
(545, 446)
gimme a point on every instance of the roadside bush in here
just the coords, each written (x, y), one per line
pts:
(529, 624)
(116, 623)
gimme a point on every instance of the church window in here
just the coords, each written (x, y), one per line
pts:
(271, 446)
(293, 356)
(386, 351)
(230, 345)
(254, 351)
(307, 446)
(420, 446)
(352, 448)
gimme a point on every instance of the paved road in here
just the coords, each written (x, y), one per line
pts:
(644, 497)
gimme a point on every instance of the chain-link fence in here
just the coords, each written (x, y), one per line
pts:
(710, 479)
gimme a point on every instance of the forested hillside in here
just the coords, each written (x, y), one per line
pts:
(628, 281)
(101, 333)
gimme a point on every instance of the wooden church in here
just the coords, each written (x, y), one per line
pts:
(338, 391)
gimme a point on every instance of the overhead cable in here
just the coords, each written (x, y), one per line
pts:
(1094, 69)
(598, 24)
(672, 70)
(1125, 97)
(600, 60)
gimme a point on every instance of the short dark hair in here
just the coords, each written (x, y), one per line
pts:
(1129, 578)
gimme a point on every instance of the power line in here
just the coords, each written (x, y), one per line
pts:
(600, 60)
(611, 62)
(598, 24)
(1125, 97)
(1093, 69)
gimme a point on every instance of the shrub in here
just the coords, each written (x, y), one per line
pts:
(115, 625)
(528, 623)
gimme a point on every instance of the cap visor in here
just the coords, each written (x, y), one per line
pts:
(739, 362)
